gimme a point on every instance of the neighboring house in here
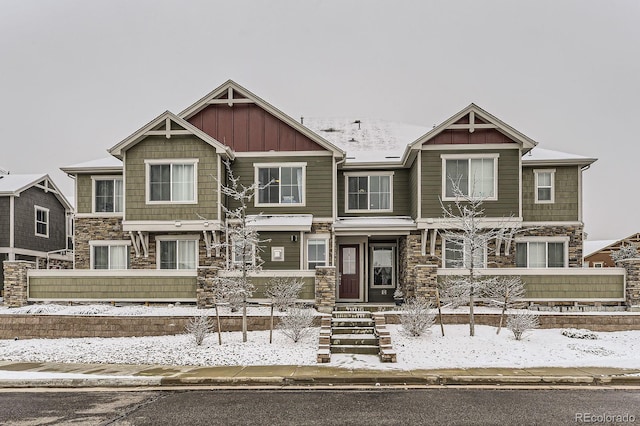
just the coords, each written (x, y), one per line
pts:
(361, 195)
(34, 220)
(597, 253)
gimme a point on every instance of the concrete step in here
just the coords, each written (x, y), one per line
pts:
(352, 330)
(371, 307)
(355, 349)
(350, 314)
(351, 322)
(354, 339)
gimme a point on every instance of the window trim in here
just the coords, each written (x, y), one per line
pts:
(536, 173)
(187, 237)
(37, 208)
(485, 256)
(96, 178)
(347, 175)
(280, 165)
(108, 243)
(560, 239)
(171, 162)
(445, 157)
(233, 263)
(316, 237)
(394, 267)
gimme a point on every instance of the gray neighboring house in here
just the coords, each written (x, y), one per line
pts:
(35, 221)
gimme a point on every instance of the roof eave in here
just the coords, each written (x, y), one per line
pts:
(560, 162)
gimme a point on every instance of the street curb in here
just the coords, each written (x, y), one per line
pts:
(107, 382)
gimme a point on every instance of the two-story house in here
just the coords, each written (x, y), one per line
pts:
(34, 221)
(363, 196)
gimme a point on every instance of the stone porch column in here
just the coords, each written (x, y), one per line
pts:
(426, 280)
(205, 297)
(325, 283)
(632, 266)
(15, 282)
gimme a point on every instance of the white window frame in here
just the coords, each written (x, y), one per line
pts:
(469, 157)
(465, 256)
(316, 237)
(171, 162)
(235, 263)
(256, 179)
(47, 222)
(108, 243)
(191, 237)
(347, 175)
(94, 179)
(536, 173)
(598, 264)
(564, 240)
(394, 266)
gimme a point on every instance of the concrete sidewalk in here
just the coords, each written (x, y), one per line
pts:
(116, 375)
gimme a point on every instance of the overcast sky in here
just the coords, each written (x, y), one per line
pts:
(77, 77)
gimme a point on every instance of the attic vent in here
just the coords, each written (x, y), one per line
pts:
(358, 123)
(331, 130)
(352, 140)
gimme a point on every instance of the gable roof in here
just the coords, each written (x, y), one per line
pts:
(541, 156)
(594, 246)
(491, 122)
(14, 185)
(166, 118)
(230, 87)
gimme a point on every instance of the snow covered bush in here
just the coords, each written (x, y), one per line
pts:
(284, 292)
(626, 252)
(521, 322)
(296, 324)
(417, 316)
(198, 327)
(575, 333)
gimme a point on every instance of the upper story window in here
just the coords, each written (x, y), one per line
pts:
(281, 184)
(108, 194)
(171, 181)
(243, 252)
(317, 252)
(545, 185)
(458, 254)
(541, 254)
(42, 221)
(110, 254)
(475, 175)
(369, 191)
(177, 252)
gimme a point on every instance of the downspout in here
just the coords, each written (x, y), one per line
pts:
(12, 228)
(75, 210)
(582, 169)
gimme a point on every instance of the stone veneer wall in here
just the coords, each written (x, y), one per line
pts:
(574, 232)
(325, 288)
(632, 267)
(95, 228)
(411, 278)
(15, 282)
(205, 297)
(325, 228)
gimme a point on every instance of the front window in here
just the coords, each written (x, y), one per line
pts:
(171, 182)
(178, 254)
(110, 256)
(316, 253)
(540, 254)
(42, 221)
(280, 184)
(458, 254)
(369, 192)
(473, 177)
(108, 195)
(244, 252)
(383, 266)
(544, 180)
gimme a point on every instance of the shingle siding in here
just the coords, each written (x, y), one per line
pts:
(25, 237)
(566, 187)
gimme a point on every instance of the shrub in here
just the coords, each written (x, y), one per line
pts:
(284, 292)
(296, 323)
(521, 322)
(198, 327)
(417, 316)
(575, 333)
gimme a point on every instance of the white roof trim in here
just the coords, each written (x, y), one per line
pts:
(14, 185)
(284, 222)
(374, 223)
(104, 165)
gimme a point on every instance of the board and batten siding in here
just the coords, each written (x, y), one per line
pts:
(401, 194)
(5, 218)
(507, 203)
(319, 181)
(566, 188)
(178, 147)
(413, 190)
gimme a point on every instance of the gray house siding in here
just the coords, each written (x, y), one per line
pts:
(25, 237)
(4, 221)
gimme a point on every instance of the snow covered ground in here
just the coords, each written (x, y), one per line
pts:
(541, 348)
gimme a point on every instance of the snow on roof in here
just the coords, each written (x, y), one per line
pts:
(102, 163)
(367, 140)
(591, 247)
(547, 155)
(375, 222)
(11, 184)
(281, 222)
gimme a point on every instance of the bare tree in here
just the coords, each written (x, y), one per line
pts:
(284, 292)
(505, 292)
(627, 251)
(243, 246)
(467, 237)
(521, 322)
(296, 324)
(198, 327)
